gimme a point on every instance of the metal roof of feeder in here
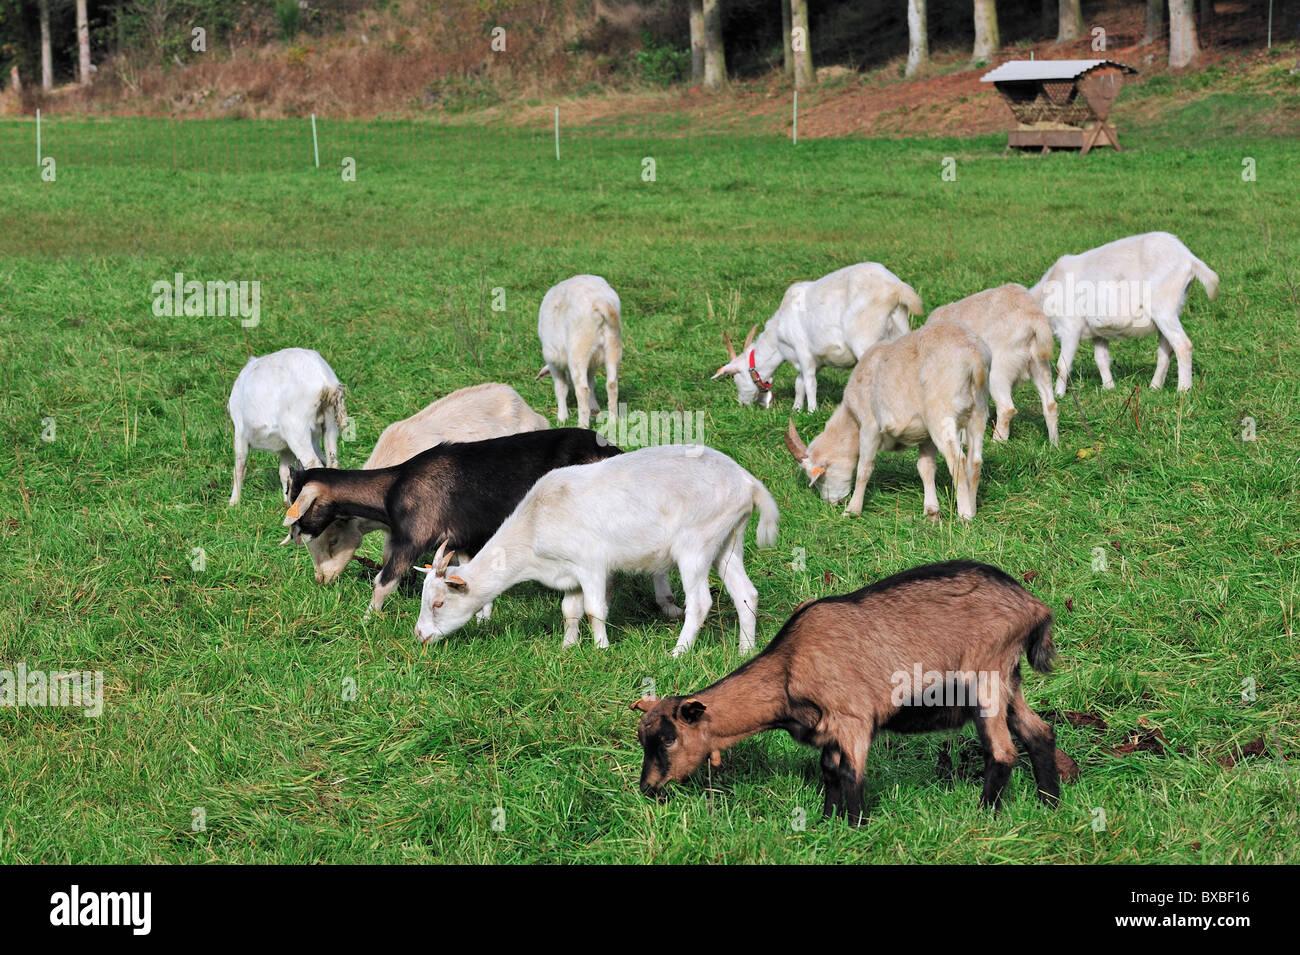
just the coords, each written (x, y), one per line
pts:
(1037, 70)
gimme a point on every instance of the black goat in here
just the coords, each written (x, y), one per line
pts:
(458, 493)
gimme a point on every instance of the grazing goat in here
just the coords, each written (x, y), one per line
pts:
(1019, 337)
(580, 325)
(470, 414)
(832, 321)
(643, 512)
(928, 388)
(452, 492)
(1125, 289)
(287, 402)
(931, 648)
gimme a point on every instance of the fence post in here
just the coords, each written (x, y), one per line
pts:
(315, 147)
(557, 134)
(38, 138)
(796, 118)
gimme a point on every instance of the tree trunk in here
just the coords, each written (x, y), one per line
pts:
(918, 38)
(83, 42)
(787, 51)
(1069, 24)
(715, 57)
(1182, 34)
(1155, 19)
(697, 40)
(986, 31)
(801, 48)
(47, 58)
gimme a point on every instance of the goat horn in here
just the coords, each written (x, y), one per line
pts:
(794, 443)
(442, 559)
(643, 705)
(288, 539)
(731, 349)
(749, 339)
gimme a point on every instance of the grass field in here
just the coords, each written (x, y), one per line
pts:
(1169, 554)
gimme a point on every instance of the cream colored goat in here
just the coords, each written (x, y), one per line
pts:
(927, 389)
(1124, 289)
(471, 414)
(1019, 337)
(580, 325)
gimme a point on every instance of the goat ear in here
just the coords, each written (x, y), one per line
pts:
(426, 569)
(643, 705)
(733, 367)
(715, 759)
(299, 507)
(544, 373)
(288, 539)
(692, 710)
(813, 473)
(456, 583)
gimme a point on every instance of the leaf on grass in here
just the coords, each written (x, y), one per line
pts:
(1255, 747)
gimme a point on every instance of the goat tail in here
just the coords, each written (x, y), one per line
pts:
(608, 313)
(1039, 647)
(908, 298)
(1209, 278)
(332, 398)
(768, 515)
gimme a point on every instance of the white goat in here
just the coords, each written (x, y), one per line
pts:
(1019, 337)
(928, 388)
(643, 512)
(1125, 289)
(580, 325)
(288, 402)
(832, 321)
(470, 414)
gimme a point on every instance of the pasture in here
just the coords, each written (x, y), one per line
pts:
(253, 716)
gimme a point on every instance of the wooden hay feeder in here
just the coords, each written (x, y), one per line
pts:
(1060, 104)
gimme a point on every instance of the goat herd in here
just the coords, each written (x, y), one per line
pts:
(479, 473)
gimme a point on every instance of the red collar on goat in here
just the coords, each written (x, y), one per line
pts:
(758, 379)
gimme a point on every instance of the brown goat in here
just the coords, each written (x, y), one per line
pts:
(845, 667)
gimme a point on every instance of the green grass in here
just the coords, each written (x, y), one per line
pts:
(225, 688)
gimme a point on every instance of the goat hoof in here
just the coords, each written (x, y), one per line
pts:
(673, 612)
(677, 651)
(932, 514)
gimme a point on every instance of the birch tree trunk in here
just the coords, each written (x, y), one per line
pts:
(1069, 25)
(715, 57)
(801, 44)
(697, 40)
(83, 42)
(1182, 34)
(918, 38)
(986, 31)
(47, 58)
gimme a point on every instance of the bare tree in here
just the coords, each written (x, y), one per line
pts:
(801, 44)
(715, 57)
(987, 40)
(1069, 23)
(918, 38)
(47, 58)
(697, 40)
(787, 50)
(1155, 17)
(1183, 48)
(83, 43)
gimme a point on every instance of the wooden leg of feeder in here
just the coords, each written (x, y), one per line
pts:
(1090, 138)
(1113, 136)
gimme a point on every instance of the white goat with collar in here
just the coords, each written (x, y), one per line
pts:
(831, 321)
